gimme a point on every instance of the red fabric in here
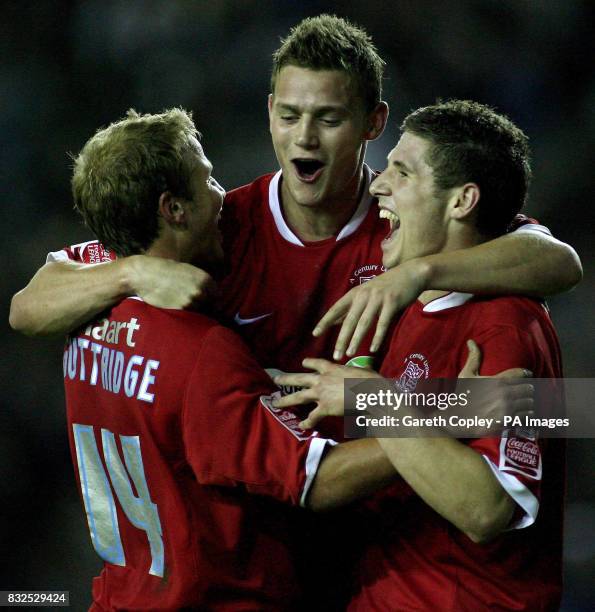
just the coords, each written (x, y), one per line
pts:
(415, 559)
(216, 462)
(296, 284)
(91, 252)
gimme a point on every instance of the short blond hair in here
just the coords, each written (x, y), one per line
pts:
(123, 169)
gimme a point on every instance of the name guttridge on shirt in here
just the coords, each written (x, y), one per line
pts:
(183, 463)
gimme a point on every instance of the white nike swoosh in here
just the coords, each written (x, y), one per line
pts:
(239, 321)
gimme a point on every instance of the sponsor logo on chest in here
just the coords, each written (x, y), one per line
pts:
(365, 273)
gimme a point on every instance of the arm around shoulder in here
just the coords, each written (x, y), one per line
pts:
(63, 295)
(525, 263)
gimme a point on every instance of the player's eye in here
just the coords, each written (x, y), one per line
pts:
(289, 118)
(330, 121)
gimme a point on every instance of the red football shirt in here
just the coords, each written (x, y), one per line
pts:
(415, 559)
(182, 463)
(278, 287)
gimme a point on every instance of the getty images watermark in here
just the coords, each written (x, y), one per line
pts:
(470, 408)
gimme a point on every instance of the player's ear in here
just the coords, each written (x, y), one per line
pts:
(376, 121)
(171, 209)
(463, 200)
(270, 105)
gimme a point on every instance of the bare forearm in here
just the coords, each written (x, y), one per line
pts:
(455, 481)
(526, 264)
(62, 296)
(350, 471)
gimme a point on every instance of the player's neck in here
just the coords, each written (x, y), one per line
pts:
(167, 247)
(464, 237)
(325, 219)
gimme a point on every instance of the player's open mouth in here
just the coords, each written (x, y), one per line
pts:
(393, 221)
(308, 170)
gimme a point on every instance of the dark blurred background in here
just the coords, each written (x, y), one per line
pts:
(67, 68)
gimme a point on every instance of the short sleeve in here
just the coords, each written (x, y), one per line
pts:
(515, 460)
(61, 256)
(523, 224)
(234, 436)
(504, 347)
(91, 252)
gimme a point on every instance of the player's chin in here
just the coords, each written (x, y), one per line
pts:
(391, 258)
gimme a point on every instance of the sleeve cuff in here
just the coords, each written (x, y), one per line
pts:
(520, 494)
(532, 228)
(57, 256)
(315, 454)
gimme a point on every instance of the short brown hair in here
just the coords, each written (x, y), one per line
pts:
(328, 42)
(470, 142)
(123, 169)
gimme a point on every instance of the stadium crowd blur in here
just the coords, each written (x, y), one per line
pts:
(69, 67)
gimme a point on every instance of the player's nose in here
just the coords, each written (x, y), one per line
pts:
(378, 186)
(306, 135)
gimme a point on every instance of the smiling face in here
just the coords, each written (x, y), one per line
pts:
(318, 127)
(407, 198)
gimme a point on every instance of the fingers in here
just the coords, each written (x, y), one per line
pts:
(521, 391)
(384, 320)
(312, 419)
(473, 363)
(365, 321)
(515, 373)
(320, 365)
(334, 315)
(301, 379)
(349, 325)
(305, 396)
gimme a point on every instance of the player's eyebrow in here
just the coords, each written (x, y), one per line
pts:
(319, 110)
(287, 107)
(401, 165)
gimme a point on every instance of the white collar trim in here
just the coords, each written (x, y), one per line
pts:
(450, 300)
(356, 220)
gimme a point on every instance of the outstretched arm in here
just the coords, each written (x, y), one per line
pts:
(523, 263)
(64, 295)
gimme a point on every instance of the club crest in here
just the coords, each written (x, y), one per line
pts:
(416, 368)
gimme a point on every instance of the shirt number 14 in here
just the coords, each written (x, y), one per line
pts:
(99, 500)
